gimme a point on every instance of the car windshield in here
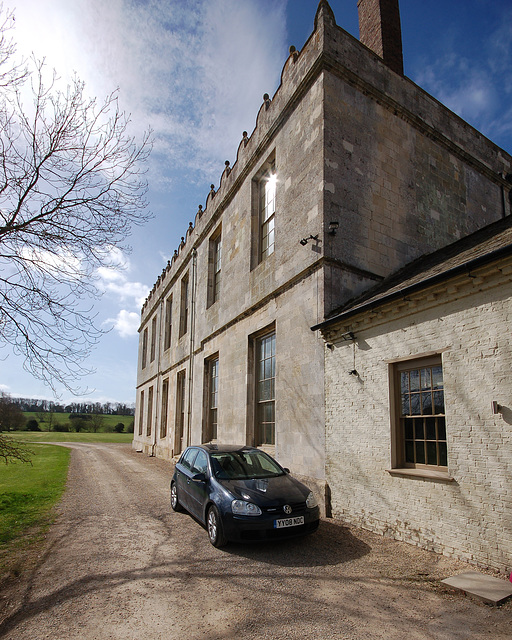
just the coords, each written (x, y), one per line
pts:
(244, 465)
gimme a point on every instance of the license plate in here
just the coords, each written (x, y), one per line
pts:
(288, 522)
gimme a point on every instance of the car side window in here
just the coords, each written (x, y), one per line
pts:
(201, 462)
(188, 458)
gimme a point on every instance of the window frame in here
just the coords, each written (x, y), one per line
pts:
(152, 351)
(180, 410)
(149, 421)
(144, 358)
(210, 429)
(168, 323)
(435, 419)
(141, 413)
(262, 426)
(267, 220)
(260, 255)
(184, 305)
(165, 408)
(214, 267)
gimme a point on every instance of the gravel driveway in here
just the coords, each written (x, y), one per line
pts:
(119, 564)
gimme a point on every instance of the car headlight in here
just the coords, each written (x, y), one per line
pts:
(243, 508)
(311, 501)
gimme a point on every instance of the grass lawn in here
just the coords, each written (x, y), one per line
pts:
(109, 421)
(55, 436)
(28, 494)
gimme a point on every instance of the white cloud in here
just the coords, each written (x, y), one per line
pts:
(117, 283)
(114, 280)
(126, 323)
(61, 264)
(126, 291)
(195, 71)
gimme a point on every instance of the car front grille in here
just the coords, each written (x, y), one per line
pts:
(297, 507)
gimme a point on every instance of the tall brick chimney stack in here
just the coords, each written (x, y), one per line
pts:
(379, 30)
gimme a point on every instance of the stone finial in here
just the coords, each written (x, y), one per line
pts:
(294, 53)
(245, 139)
(175, 254)
(228, 168)
(266, 100)
(324, 14)
(168, 265)
(212, 190)
(190, 227)
(182, 243)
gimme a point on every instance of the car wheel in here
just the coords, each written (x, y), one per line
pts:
(214, 526)
(175, 503)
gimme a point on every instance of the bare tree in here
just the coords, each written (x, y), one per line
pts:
(10, 450)
(72, 185)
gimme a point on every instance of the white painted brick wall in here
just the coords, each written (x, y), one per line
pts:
(471, 517)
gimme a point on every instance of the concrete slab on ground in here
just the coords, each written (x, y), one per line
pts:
(488, 589)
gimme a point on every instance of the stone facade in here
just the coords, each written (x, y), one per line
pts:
(371, 172)
(465, 510)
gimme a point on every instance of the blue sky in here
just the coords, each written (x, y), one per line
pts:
(196, 71)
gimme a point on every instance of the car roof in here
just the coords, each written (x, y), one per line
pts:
(224, 448)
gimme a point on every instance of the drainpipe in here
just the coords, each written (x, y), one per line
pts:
(191, 343)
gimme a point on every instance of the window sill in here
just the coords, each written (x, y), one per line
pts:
(427, 474)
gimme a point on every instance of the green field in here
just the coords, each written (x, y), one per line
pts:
(29, 492)
(109, 421)
(56, 436)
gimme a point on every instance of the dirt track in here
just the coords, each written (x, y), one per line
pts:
(119, 564)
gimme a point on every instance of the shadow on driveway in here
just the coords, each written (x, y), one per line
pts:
(332, 544)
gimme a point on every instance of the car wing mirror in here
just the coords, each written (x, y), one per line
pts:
(286, 469)
(199, 477)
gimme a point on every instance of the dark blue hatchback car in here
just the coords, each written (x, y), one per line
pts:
(241, 493)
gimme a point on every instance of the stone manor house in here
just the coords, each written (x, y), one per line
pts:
(344, 301)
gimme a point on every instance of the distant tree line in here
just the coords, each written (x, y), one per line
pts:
(106, 408)
(48, 417)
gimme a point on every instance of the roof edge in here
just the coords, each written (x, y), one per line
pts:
(417, 286)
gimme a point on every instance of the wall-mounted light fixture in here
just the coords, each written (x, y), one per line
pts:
(304, 241)
(333, 227)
